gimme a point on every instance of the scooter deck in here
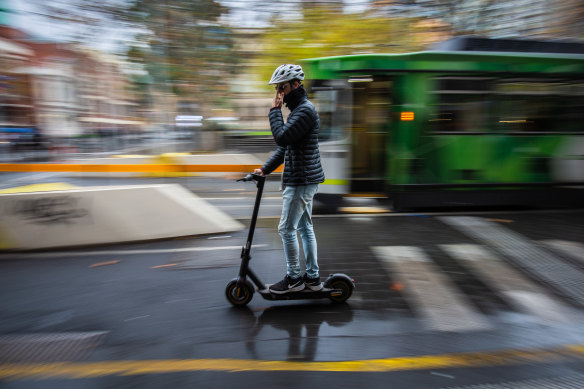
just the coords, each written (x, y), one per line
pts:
(300, 295)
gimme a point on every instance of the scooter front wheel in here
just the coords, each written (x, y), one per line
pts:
(344, 287)
(238, 296)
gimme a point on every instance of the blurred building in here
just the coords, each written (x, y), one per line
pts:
(104, 92)
(516, 18)
(253, 97)
(15, 94)
(50, 71)
(569, 22)
(495, 19)
(62, 89)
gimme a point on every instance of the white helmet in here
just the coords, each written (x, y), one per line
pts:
(287, 72)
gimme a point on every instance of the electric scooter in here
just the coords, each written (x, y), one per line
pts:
(338, 287)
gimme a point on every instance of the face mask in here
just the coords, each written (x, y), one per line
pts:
(293, 98)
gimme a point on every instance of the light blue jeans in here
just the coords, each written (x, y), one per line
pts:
(297, 217)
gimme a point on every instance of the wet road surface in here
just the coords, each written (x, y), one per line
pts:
(442, 301)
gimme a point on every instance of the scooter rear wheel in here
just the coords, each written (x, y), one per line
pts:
(345, 287)
(238, 296)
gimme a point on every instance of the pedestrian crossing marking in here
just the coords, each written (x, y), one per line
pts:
(439, 303)
(562, 276)
(573, 381)
(524, 294)
(573, 250)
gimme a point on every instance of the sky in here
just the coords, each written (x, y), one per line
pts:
(254, 13)
(244, 14)
(25, 17)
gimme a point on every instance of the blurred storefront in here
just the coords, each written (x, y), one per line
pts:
(63, 91)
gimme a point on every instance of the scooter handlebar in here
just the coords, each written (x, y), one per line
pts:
(252, 177)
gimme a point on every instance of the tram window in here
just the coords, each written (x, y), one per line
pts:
(461, 104)
(372, 102)
(467, 104)
(541, 106)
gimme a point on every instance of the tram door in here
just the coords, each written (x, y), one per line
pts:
(371, 115)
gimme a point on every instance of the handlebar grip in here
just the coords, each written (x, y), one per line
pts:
(251, 177)
(247, 177)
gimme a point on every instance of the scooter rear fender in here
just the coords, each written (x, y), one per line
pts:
(335, 276)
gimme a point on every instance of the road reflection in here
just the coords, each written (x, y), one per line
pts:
(301, 322)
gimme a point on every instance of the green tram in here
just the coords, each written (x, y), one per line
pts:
(454, 128)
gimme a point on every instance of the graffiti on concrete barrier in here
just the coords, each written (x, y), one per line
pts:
(50, 209)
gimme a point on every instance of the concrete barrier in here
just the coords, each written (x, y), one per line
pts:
(100, 215)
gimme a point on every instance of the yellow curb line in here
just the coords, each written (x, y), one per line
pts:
(77, 370)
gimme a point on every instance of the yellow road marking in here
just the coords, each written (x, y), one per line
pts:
(75, 370)
(45, 187)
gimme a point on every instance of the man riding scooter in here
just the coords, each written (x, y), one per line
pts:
(297, 141)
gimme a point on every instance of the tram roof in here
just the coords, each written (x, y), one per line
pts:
(450, 61)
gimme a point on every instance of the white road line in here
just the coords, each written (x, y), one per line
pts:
(64, 254)
(430, 292)
(546, 266)
(30, 178)
(573, 250)
(524, 294)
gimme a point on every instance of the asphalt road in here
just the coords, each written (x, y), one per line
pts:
(442, 301)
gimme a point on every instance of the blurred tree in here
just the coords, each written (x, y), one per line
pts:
(542, 19)
(183, 46)
(180, 44)
(325, 30)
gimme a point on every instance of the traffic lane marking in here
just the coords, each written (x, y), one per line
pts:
(62, 254)
(78, 370)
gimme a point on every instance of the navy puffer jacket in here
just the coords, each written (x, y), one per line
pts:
(298, 144)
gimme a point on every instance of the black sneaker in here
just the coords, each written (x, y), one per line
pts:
(288, 284)
(312, 283)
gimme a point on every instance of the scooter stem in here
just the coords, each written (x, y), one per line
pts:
(260, 185)
(245, 251)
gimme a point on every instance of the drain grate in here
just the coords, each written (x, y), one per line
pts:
(48, 347)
